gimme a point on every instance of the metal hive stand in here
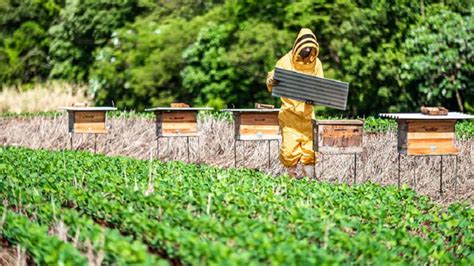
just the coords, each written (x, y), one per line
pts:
(257, 137)
(403, 119)
(159, 111)
(72, 123)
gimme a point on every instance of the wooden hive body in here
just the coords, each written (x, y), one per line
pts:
(257, 125)
(176, 123)
(426, 137)
(88, 122)
(338, 136)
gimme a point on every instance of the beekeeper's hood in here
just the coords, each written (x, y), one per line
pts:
(305, 39)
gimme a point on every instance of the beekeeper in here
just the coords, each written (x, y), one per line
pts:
(295, 116)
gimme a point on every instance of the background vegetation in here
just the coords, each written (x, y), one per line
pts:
(397, 55)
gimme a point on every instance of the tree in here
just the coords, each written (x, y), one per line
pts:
(395, 54)
(24, 40)
(227, 65)
(439, 67)
(140, 65)
(84, 26)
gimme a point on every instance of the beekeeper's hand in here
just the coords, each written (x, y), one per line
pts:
(273, 81)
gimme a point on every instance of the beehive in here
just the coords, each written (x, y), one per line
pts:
(256, 124)
(337, 136)
(420, 134)
(87, 120)
(426, 137)
(176, 122)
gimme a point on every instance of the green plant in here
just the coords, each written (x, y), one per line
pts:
(439, 56)
(198, 214)
(379, 125)
(43, 248)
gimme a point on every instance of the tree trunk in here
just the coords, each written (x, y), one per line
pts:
(459, 100)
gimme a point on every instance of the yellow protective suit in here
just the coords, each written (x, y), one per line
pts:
(295, 116)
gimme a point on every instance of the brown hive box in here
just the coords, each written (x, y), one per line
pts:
(422, 134)
(176, 121)
(337, 136)
(87, 120)
(256, 124)
(426, 137)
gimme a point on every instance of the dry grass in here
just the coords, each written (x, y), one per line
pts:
(20, 99)
(136, 138)
(12, 255)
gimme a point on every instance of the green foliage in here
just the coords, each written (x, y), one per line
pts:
(379, 125)
(265, 10)
(24, 41)
(211, 78)
(43, 248)
(362, 43)
(140, 66)
(227, 65)
(84, 26)
(439, 61)
(396, 55)
(368, 49)
(204, 215)
(465, 129)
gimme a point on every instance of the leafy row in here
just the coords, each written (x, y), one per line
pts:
(117, 249)
(196, 212)
(43, 248)
(158, 234)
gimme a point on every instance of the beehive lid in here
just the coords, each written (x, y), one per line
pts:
(179, 109)
(302, 87)
(339, 122)
(420, 116)
(251, 110)
(102, 108)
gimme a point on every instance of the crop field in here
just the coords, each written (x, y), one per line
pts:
(134, 136)
(149, 132)
(78, 208)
